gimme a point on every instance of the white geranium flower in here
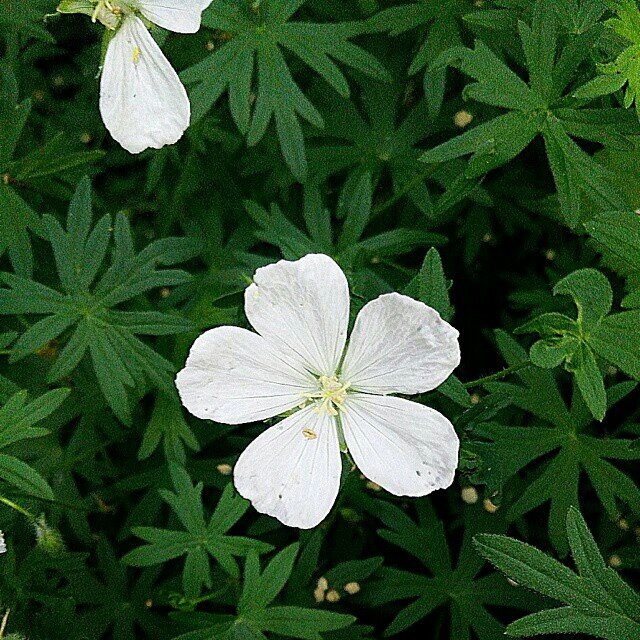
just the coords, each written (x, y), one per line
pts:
(297, 361)
(142, 101)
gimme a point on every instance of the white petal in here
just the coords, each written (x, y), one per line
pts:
(400, 345)
(181, 16)
(290, 476)
(405, 447)
(302, 306)
(142, 101)
(234, 376)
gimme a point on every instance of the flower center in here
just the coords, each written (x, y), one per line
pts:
(330, 396)
(110, 12)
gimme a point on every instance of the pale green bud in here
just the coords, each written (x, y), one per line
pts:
(76, 6)
(48, 538)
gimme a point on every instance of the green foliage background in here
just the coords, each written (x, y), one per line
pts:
(483, 157)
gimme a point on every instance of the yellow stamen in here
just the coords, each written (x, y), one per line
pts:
(309, 434)
(331, 395)
(136, 55)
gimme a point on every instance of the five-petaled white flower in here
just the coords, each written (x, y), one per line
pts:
(297, 361)
(142, 101)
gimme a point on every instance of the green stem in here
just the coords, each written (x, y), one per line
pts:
(341, 439)
(409, 186)
(18, 508)
(497, 376)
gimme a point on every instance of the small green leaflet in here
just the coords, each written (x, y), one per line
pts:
(257, 615)
(598, 601)
(168, 425)
(200, 539)
(625, 69)
(595, 332)
(85, 312)
(257, 36)
(432, 287)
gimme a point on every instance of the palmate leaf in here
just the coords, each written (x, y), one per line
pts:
(570, 446)
(276, 228)
(443, 30)
(538, 108)
(454, 585)
(85, 308)
(599, 602)
(372, 139)
(200, 539)
(114, 602)
(256, 40)
(256, 613)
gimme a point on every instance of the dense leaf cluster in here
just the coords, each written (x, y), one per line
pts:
(482, 157)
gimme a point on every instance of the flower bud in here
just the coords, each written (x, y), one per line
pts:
(615, 561)
(352, 588)
(469, 495)
(489, 506)
(462, 119)
(48, 538)
(76, 6)
(623, 523)
(332, 595)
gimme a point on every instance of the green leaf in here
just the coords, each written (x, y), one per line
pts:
(84, 307)
(537, 108)
(167, 425)
(589, 379)
(200, 539)
(610, 340)
(619, 233)
(23, 477)
(599, 601)
(258, 39)
(297, 622)
(431, 286)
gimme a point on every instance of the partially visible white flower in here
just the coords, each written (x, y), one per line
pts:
(340, 397)
(3, 545)
(142, 101)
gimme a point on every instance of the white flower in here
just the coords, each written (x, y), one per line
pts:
(3, 545)
(142, 101)
(297, 361)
